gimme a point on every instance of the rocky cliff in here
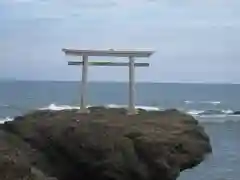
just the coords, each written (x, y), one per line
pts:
(105, 144)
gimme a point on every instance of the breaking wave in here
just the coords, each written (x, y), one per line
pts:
(202, 102)
(204, 116)
(193, 112)
(4, 105)
(213, 116)
(3, 120)
(211, 112)
(55, 107)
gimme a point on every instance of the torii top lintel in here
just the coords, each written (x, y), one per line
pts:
(109, 52)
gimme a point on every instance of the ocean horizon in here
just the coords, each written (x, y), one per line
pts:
(120, 81)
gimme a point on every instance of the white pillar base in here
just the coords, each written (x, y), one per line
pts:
(83, 111)
(132, 112)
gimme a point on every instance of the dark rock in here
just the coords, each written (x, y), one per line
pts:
(14, 162)
(109, 145)
(236, 112)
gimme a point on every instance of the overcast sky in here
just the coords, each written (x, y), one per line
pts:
(195, 40)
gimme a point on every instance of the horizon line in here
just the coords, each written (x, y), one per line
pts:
(107, 81)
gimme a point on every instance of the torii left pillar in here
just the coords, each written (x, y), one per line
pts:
(83, 101)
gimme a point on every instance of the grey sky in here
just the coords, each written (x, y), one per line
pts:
(195, 41)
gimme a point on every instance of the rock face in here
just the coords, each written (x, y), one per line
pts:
(103, 145)
(15, 163)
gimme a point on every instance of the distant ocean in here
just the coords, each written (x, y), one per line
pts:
(212, 104)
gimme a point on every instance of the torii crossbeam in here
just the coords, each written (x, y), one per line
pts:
(131, 54)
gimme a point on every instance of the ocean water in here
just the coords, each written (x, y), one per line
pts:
(212, 104)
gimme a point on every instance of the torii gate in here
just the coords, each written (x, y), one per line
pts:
(131, 54)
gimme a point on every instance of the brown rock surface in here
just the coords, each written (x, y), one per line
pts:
(16, 159)
(107, 144)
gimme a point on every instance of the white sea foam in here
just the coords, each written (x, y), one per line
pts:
(188, 102)
(195, 112)
(4, 105)
(3, 120)
(228, 111)
(209, 113)
(115, 106)
(218, 119)
(211, 116)
(202, 102)
(211, 102)
(147, 108)
(55, 107)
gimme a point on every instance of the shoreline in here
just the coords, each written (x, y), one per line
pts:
(204, 116)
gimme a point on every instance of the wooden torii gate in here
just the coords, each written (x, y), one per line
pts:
(131, 54)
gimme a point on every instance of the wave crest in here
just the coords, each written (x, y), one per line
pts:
(219, 116)
(202, 102)
(3, 120)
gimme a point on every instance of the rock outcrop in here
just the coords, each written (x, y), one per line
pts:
(103, 145)
(236, 112)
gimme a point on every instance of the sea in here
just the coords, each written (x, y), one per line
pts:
(214, 105)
